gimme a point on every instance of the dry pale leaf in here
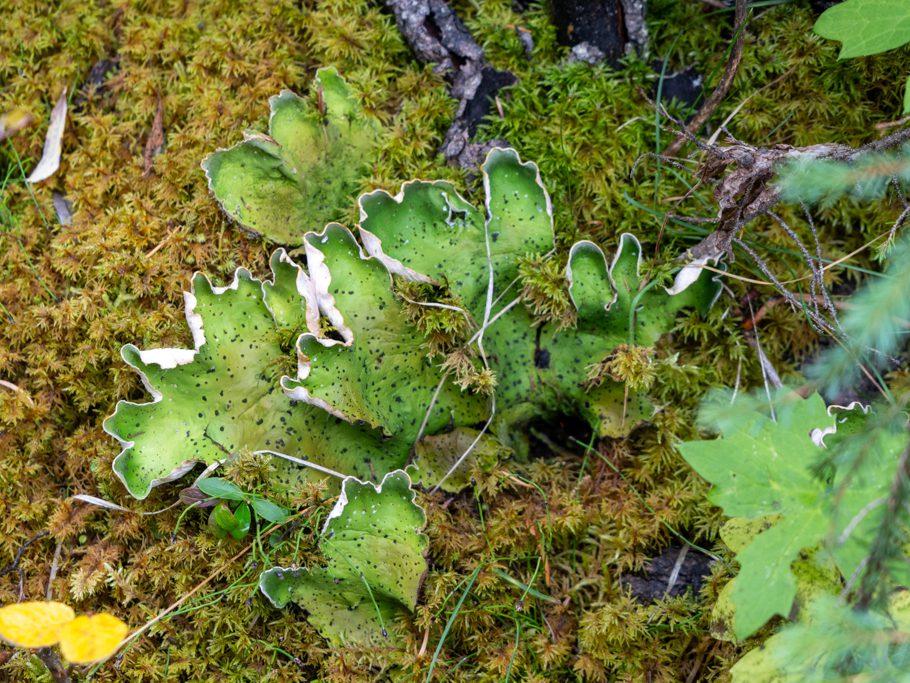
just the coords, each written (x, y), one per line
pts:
(63, 208)
(53, 143)
(155, 143)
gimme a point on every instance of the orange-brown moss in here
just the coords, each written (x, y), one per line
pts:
(570, 525)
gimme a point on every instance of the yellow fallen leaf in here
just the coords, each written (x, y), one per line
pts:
(12, 122)
(88, 639)
(34, 624)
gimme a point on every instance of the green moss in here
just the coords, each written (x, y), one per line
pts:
(77, 293)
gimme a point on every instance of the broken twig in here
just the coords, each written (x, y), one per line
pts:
(722, 88)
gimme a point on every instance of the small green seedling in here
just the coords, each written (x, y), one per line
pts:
(223, 521)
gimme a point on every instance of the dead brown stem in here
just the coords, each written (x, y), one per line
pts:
(716, 97)
(54, 664)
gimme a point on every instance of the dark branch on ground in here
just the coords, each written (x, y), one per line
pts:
(600, 30)
(437, 36)
(14, 567)
(54, 664)
(725, 82)
(743, 175)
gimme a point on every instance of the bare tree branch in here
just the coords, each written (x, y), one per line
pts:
(716, 97)
(437, 36)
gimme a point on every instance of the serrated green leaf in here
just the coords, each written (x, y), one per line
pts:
(757, 471)
(303, 174)
(375, 562)
(813, 576)
(221, 488)
(763, 468)
(866, 27)
(224, 396)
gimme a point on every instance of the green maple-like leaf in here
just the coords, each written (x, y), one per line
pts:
(866, 27)
(375, 563)
(834, 642)
(305, 171)
(814, 576)
(224, 396)
(763, 469)
(428, 233)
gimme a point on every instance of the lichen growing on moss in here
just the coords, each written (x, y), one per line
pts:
(569, 525)
(297, 176)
